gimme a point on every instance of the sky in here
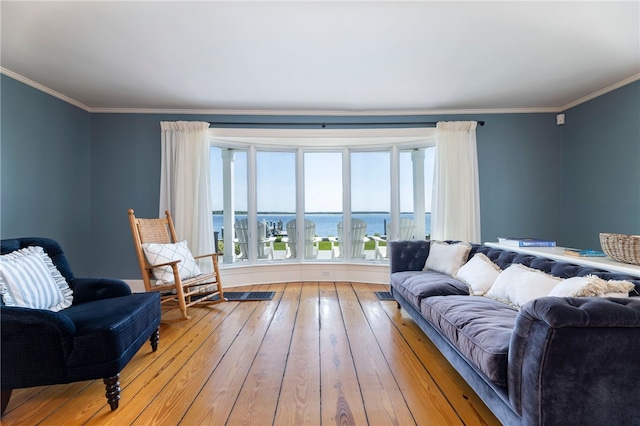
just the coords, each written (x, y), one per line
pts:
(276, 188)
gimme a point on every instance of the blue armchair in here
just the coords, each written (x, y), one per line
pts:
(94, 338)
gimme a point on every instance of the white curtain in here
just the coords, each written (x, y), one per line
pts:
(185, 185)
(455, 209)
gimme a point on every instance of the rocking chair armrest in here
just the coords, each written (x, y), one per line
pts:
(207, 255)
(158, 265)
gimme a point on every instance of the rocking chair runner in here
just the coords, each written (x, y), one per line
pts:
(183, 289)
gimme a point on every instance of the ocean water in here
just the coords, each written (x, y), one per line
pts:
(326, 223)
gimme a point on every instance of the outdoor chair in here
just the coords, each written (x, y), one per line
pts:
(310, 240)
(265, 245)
(168, 267)
(357, 239)
(85, 329)
(407, 226)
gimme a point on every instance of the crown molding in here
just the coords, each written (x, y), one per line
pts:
(44, 89)
(326, 112)
(600, 92)
(539, 110)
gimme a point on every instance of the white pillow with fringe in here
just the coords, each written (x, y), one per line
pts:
(519, 284)
(446, 258)
(479, 273)
(590, 286)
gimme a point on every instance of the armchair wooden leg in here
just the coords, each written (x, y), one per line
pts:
(155, 337)
(113, 391)
(6, 396)
(397, 303)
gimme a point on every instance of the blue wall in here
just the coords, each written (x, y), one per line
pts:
(601, 167)
(99, 165)
(45, 182)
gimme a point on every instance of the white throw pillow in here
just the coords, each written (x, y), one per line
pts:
(591, 285)
(163, 253)
(519, 284)
(446, 258)
(479, 273)
(26, 281)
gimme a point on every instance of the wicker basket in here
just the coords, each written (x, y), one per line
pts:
(623, 248)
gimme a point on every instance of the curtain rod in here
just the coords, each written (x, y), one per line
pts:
(325, 124)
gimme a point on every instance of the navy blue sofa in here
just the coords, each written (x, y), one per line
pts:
(556, 361)
(94, 338)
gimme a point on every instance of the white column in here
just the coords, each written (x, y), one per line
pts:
(228, 216)
(395, 193)
(417, 157)
(252, 204)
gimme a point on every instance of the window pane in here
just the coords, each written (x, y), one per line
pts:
(322, 201)
(276, 202)
(323, 189)
(370, 201)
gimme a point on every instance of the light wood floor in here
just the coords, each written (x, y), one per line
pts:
(318, 353)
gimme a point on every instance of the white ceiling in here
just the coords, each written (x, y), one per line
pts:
(344, 57)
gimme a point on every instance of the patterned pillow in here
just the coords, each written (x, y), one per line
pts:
(163, 253)
(29, 279)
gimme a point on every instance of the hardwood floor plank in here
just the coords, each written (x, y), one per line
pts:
(464, 400)
(383, 400)
(258, 398)
(90, 400)
(43, 403)
(425, 400)
(194, 372)
(299, 401)
(341, 399)
(318, 353)
(181, 341)
(215, 399)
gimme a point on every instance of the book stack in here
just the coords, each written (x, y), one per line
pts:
(584, 253)
(526, 242)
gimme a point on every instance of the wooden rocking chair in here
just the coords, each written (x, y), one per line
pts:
(182, 287)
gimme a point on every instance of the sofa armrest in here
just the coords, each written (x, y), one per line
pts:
(90, 289)
(34, 344)
(576, 358)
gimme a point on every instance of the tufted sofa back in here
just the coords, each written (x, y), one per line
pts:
(411, 256)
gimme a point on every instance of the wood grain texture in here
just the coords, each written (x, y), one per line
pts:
(317, 353)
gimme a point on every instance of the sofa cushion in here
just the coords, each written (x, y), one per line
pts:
(480, 328)
(414, 285)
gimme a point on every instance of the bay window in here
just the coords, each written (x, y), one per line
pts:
(302, 198)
